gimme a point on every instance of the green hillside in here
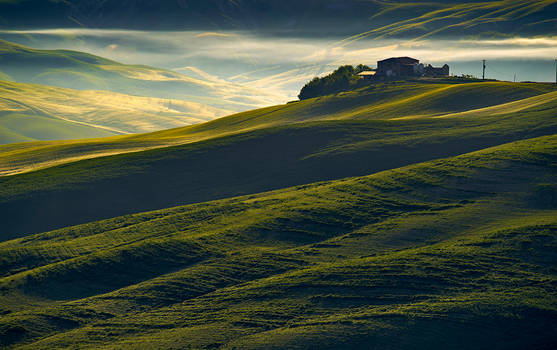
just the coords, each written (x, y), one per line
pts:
(452, 253)
(19, 127)
(377, 102)
(79, 70)
(311, 18)
(449, 19)
(351, 134)
(38, 112)
(143, 208)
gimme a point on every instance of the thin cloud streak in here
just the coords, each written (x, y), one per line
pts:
(248, 47)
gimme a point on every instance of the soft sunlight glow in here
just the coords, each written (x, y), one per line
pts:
(280, 65)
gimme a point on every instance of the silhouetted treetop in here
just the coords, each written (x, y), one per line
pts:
(341, 79)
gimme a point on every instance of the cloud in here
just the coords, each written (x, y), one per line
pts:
(280, 63)
(213, 35)
(194, 71)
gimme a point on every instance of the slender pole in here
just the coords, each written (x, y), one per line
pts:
(515, 77)
(483, 74)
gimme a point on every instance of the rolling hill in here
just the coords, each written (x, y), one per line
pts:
(406, 19)
(82, 71)
(31, 112)
(446, 19)
(451, 253)
(384, 101)
(351, 134)
(16, 127)
(418, 214)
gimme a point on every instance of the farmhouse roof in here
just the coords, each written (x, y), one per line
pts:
(404, 59)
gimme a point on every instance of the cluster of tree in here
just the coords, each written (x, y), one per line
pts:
(342, 79)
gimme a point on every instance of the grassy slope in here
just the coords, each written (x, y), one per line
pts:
(420, 257)
(503, 18)
(308, 152)
(404, 18)
(260, 159)
(105, 112)
(384, 101)
(78, 70)
(21, 127)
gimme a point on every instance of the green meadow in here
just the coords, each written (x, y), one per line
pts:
(396, 100)
(502, 18)
(353, 133)
(31, 112)
(144, 208)
(454, 252)
(418, 214)
(19, 127)
(378, 19)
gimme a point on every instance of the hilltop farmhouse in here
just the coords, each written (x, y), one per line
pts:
(404, 67)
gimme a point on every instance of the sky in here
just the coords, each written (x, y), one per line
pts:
(282, 65)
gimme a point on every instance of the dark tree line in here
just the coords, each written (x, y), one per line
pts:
(342, 79)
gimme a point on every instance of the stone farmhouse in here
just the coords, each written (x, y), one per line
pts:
(404, 67)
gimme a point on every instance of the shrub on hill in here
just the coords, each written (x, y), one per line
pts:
(343, 78)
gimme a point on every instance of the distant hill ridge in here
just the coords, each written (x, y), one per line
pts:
(288, 17)
(82, 71)
(31, 112)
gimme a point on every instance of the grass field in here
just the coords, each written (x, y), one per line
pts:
(31, 110)
(402, 18)
(21, 127)
(380, 102)
(415, 215)
(445, 19)
(418, 257)
(408, 215)
(266, 149)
